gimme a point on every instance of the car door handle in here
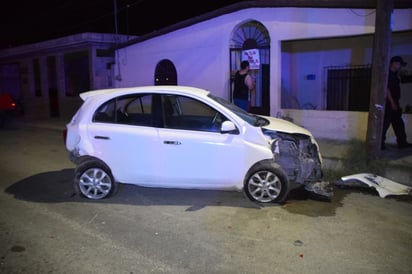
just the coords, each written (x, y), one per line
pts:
(102, 137)
(171, 142)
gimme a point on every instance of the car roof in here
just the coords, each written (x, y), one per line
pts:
(142, 89)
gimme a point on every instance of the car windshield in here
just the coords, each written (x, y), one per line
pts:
(250, 118)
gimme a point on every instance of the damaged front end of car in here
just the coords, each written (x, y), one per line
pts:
(299, 156)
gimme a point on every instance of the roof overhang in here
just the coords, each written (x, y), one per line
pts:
(338, 4)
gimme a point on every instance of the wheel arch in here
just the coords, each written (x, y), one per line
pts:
(88, 158)
(265, 162)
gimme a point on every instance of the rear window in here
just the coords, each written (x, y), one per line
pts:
(129, 110)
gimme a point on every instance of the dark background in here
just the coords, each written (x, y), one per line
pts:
(25, 22)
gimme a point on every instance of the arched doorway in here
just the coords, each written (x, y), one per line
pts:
(165, 73)
(251, 40)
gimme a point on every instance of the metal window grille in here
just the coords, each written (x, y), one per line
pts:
(348, 87)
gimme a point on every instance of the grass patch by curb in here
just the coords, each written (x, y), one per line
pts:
(356, 160)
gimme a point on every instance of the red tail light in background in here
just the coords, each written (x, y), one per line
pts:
(7, 102)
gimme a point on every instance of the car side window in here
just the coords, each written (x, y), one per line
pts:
(131, 110)
(181, 112)
(135, 110)
(105, 113)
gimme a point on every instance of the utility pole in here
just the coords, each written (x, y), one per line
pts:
(380, 66)
(118, 77)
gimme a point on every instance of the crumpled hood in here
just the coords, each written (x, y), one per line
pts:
(277, 124)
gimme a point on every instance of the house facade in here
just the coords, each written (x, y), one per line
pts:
(47, 77)
(295, 51)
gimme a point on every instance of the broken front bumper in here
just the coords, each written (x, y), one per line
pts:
(301, 160)
(383, 186)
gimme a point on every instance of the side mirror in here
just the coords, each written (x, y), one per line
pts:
(229, 127)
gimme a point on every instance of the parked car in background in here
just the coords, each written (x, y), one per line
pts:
(186, 137)
(7, 107)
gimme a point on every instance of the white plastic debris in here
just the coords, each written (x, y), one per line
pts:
(383, 186)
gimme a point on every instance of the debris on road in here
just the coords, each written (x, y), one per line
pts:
(383, 186)
(323, 188)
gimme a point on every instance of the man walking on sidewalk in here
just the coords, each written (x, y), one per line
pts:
(393, 111)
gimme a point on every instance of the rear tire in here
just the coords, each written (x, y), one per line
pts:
(266, 182)
(94, 180)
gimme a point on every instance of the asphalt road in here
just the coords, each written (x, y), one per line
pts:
(46, 228)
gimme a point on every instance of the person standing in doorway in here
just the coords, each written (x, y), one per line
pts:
(393, 111)
(243, 84)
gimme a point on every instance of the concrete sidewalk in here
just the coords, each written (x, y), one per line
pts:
(398, 165)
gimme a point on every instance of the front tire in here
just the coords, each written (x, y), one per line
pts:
(266, 183)
(94, 180)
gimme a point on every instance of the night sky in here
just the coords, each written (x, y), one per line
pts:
(26, 22)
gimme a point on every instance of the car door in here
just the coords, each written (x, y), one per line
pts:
(123, 136)
(194, 154)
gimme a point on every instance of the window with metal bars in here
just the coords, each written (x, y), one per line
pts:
(348, 87)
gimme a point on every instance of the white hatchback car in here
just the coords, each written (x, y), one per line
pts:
(185, 137)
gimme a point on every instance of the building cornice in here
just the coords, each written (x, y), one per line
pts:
(67, 43)
(340, 4)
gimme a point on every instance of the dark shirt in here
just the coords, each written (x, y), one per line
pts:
(394, 86)
(240, 91)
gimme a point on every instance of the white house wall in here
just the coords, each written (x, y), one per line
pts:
(200, 52)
